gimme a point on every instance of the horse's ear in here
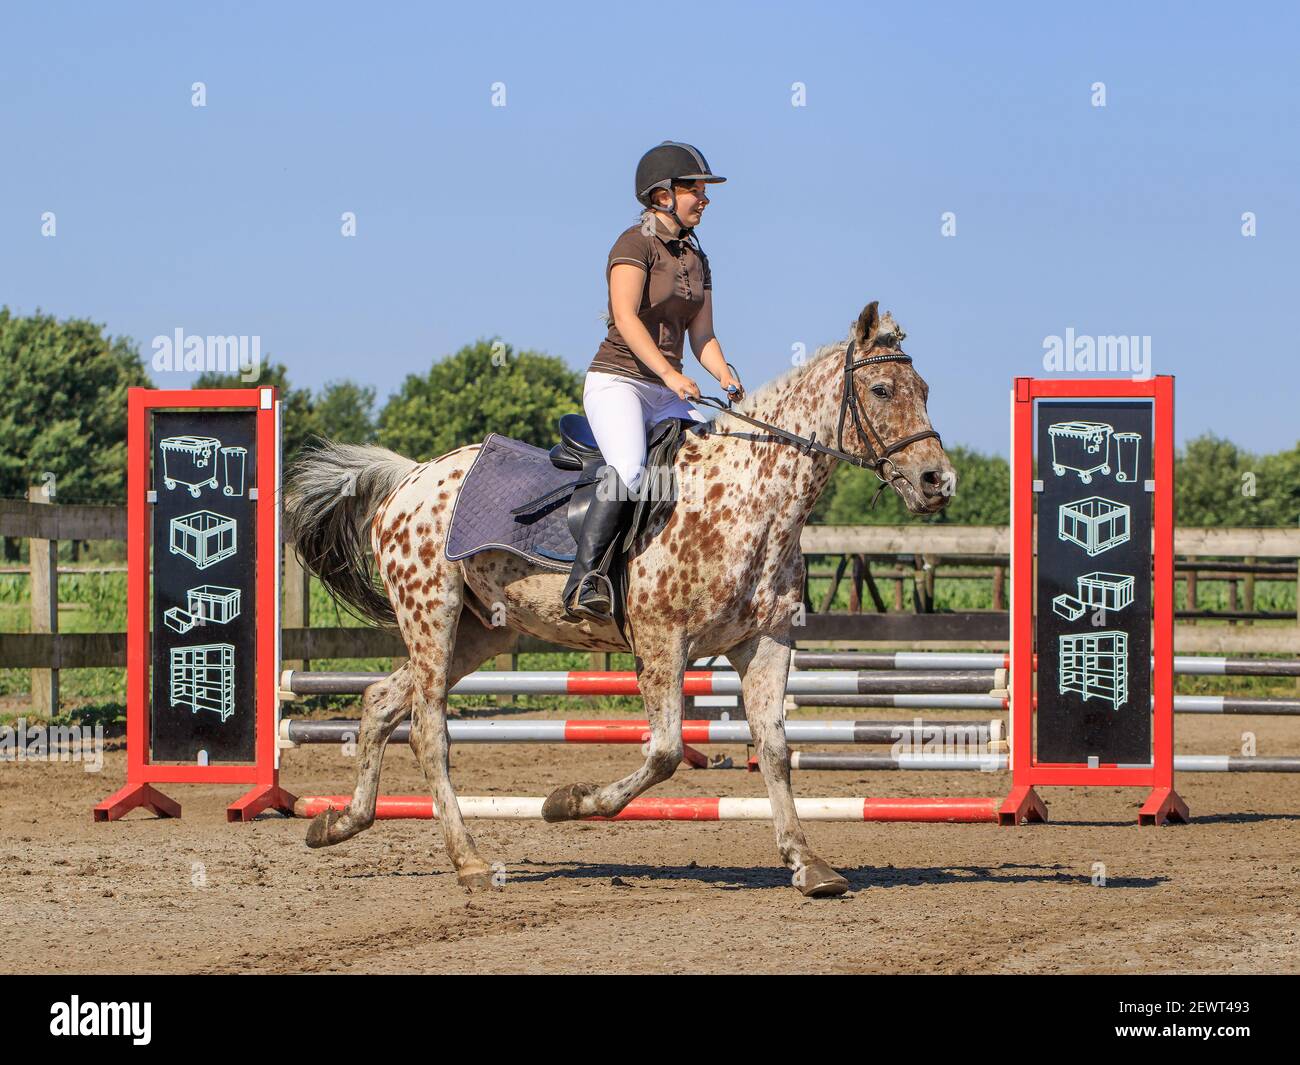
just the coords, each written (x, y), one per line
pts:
(864, 329)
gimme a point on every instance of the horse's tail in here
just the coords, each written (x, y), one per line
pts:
(332, 492)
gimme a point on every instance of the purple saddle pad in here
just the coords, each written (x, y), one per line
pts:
(506, 474)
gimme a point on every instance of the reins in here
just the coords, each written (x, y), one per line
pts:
(874, 459)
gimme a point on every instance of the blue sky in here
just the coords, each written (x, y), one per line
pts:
(478, 221)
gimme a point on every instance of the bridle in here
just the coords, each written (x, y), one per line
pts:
(878, 454)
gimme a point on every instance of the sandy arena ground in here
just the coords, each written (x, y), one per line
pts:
(200, 895)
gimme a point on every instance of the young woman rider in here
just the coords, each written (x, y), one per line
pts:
(660, 290)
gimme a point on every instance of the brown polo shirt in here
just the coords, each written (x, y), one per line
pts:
(677, 276)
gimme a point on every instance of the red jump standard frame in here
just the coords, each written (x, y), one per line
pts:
(142, 773)
(1023, 803)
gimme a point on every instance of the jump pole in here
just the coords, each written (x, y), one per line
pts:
(1185, 665)
(994, 763)
(1183, 704)
(294, 731)
(516, 808)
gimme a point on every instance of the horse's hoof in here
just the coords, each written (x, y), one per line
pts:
(481, 880)
(565, 804)
(318, 832)
(817, 880)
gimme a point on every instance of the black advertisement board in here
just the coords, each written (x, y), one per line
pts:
(204, 544)
(1093, 616)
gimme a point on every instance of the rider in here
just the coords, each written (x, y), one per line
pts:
(660, 289)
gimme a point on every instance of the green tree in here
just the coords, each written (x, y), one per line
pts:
(1208, 474)
(1277, 491)
(345, 411)
(484, 387)
(63, 406)
(982, 491)
(342, 410)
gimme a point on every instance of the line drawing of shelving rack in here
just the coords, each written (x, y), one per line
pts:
(202, 677)
(1095, 665)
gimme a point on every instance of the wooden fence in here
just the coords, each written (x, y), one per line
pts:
(914, 555)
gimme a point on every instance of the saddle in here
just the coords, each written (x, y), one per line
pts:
(544, 529)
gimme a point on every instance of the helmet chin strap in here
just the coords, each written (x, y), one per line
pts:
(683, 230)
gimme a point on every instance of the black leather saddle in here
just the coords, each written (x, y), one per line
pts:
(578, 451)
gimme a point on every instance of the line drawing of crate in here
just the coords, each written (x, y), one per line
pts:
(1083, 447)
(1095, 665)
(204, 537)
(212, 602)
(179, 620)
(234, 460)
(1126, 456)
(1110, 591)
(191, 461)
(1094, 523)
(1067, 606)
(203, 678)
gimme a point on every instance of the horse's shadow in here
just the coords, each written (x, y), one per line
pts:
(860, 878)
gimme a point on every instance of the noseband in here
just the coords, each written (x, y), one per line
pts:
(878, 453)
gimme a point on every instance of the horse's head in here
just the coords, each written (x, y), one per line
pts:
(883, 417)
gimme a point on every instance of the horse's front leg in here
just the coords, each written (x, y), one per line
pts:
(764, 664)
(660, 671)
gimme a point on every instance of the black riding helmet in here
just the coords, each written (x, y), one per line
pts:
(666, 163)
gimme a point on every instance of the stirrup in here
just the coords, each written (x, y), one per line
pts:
(580, 609)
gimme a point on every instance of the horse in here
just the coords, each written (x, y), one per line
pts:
(723, 575)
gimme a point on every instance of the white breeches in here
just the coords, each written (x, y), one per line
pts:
(621, 411)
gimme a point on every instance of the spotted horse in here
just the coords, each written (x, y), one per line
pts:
(723, 575)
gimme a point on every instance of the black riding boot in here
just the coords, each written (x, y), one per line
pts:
(589, 578)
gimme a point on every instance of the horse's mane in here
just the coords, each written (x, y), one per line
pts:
(887, 334)
(759, 398)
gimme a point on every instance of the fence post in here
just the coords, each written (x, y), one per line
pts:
(509, 662)
(44, 555)
(297, 600)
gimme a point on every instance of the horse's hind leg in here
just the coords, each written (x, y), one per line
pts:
(384, 704)
(763, 663)
(660, 670)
